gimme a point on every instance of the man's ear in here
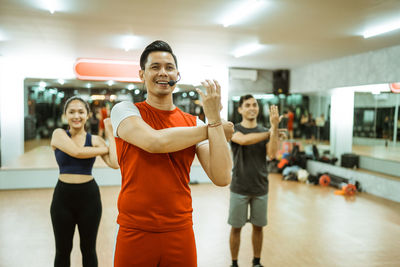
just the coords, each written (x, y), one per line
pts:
(141, 75)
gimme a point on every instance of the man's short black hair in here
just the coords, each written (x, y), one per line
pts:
(244, 98)
(155, 47)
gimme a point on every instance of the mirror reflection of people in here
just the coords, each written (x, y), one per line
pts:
(251, 143)
(76, 199)
(156, 144)
(320, 123)
(104, 113)
(94, 123)
(290, 116)
(303, 125)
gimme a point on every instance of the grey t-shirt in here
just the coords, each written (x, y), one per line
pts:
(249, 176)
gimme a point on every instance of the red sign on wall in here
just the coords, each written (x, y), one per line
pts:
(104, 70)
(395, 87)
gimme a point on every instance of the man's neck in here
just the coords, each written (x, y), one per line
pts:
(161, 102)
(249, 123)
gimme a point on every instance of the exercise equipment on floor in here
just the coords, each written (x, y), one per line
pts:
(347, 187)
(324, 180)
(347, 190)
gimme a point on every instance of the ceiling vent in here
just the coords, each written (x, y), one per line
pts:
(243, 74)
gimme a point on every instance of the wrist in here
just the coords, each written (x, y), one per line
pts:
(214, 124)
(213, 120)
(273, 129)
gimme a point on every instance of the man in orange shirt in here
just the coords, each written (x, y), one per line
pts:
(156, 144)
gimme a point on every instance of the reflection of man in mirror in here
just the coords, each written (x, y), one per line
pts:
(320, 122)
(386, 129)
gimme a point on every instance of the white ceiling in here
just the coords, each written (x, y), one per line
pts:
(293, 32)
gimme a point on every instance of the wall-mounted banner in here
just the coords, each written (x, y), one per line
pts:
(395, 87)
(105, 69)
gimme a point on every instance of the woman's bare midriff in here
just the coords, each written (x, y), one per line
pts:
(75, 178)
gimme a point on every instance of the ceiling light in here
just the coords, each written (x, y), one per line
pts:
(89, 86)
(42, 84)
(130, 42)
(395, 87)
(244, 10)
(382, 29)
(110, 82)
(3, 36)
(61, 81)
(131, 87)
(137, 91)
(51, 6)
(246, 50)
(376, 92)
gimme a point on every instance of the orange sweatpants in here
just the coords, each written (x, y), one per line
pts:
(135, 248)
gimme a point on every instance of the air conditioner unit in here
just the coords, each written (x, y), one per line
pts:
(243, 74)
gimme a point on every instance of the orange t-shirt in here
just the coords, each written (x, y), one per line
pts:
(155, 194)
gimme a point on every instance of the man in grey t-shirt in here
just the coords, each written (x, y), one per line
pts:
(250, 145)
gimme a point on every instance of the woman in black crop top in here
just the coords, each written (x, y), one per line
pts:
(76, 199)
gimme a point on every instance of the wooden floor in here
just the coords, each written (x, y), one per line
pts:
(380, 152)
(308, 226)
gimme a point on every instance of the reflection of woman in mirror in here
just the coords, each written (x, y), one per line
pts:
(76, 198)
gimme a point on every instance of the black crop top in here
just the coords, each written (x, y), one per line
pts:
(71, 165)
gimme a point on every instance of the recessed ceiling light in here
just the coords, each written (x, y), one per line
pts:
(130, 42)
(3, 36)
(382, 29)
(246, 50)
(242, 11)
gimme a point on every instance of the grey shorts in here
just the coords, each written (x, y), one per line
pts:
(239, 213)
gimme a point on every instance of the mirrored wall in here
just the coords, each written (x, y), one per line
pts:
(376, 131)
(311, 114)
(45, 98)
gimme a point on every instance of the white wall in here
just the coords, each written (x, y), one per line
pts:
(13, 71)
(342, 117)
(263, 84)
(375, 67)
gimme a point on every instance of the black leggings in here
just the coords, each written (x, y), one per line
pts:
(76, 204)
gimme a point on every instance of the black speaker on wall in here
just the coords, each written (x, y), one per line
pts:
(281, 82)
